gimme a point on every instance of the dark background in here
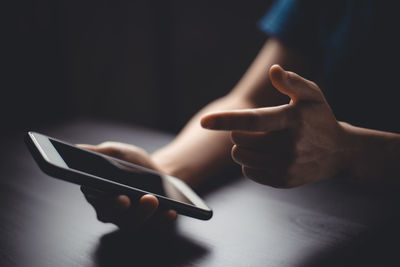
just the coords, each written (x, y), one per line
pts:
(152, 63)
(155, 63)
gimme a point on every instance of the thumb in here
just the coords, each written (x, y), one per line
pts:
(125, 152)
(293, 85)
(112, 149)
(89, 147)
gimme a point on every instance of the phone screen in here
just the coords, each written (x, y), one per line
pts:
(119, 171)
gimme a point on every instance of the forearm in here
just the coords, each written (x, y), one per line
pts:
(372, 155)
(197, 154)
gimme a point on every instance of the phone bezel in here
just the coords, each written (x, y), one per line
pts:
(51, 162)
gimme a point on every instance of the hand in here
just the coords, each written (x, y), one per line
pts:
(126, 213)
(288, 145)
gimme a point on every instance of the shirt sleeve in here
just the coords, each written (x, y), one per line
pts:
(293, 22)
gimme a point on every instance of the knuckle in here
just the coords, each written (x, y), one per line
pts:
(317, 91)
(314, 85)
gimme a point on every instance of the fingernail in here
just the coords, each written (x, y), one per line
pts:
(208, 123)
(283, 74)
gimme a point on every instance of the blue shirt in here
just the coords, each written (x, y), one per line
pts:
(353, 46)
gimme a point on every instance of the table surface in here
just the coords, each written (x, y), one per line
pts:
(47, 222)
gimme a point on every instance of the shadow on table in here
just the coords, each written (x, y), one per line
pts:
(377, 246)
(165, 247)
(147, 248)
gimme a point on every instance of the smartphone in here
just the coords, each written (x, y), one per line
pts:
(68, 162)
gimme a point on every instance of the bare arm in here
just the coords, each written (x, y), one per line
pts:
(196, 153)
(372, 155)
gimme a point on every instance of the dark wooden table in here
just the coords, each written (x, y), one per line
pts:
(47, 222)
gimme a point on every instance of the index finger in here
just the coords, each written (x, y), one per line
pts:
(254, 120)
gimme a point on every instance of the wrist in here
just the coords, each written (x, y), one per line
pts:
(352, 150)
(166, 164)
(161, 163)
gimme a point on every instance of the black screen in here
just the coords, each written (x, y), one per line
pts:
(118, 171)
